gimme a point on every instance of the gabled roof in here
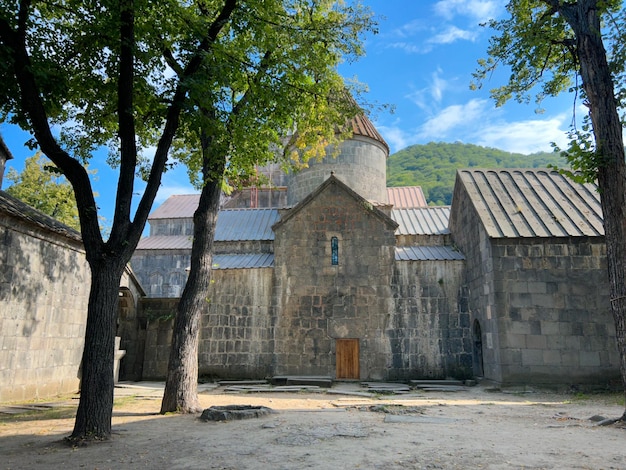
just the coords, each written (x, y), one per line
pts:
(406, 197)
(232, 225)
(243, 261)
(422, 221)
(177, 207)
(245, 224)
(514, 203)
(21, 210)
(4, 150)
(333, 180)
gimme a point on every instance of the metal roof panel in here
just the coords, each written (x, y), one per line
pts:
(519, 203)
(422, 221)
(406, 197)
(243, 261)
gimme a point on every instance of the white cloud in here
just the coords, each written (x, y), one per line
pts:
(446, 122)
(453, 34)
(530, 136)
(410, 47)
(434, 92)
(478, 122)
(478, 10)
(395, 137)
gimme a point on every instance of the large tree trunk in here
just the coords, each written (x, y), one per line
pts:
(181, 386)
(607, 128)
(93, 419)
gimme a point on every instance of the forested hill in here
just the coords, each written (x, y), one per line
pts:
(433, 166)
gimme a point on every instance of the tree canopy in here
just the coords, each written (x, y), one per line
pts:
(137, 76)
(41, 187)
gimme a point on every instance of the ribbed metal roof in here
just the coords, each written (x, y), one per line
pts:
(232, 225)
(514, 203)
(422, 221)
(243, 261)
(165, 242)
(427, 253)
(361, 125)
(177, 207)
(406, 197)
(245, 224)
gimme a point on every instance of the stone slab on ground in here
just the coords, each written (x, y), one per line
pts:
(429, 382)
(389, 418)
(241, 382)
(301, 379)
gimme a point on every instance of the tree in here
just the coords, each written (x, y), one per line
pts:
(275, 73)
(97, 72)
(554, 44)
(41, 187)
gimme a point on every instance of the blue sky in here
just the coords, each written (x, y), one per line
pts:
(420, 63)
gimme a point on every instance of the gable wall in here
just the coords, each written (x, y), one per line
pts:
(471, 238)
(318, 303)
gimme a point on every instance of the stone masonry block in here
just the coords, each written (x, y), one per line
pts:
(532, 357)
(589, 359)
(550, 327)
(536, 342)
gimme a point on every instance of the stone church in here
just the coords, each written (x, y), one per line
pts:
(327, 272)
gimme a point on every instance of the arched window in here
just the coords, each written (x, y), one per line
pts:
(334, 251)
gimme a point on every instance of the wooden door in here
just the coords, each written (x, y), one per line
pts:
(347, 356)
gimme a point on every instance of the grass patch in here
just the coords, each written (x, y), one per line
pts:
(39, 414)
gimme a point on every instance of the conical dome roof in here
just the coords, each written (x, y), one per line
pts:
(361, 125)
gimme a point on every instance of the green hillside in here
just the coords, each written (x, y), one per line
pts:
(433, 166)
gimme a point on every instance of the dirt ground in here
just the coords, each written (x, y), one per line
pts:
(476, 428)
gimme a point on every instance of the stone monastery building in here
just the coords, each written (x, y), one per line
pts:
(330, 273)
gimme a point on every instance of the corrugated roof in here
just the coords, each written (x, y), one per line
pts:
(232, 225)
(243, 261)
(406, 197)
(533, 203)
(361, 125)
(246, 224)
(427, 253)
(177, 207)
(165, 242)
(422, 221)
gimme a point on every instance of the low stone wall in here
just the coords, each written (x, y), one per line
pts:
(44, 293)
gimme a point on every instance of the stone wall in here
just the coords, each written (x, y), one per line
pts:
(472, 240)
(429, 329)
(236, 336)
(319, 303)
(555, 320)
(361, 165)
(44, 292)
(159, 317)
(236, 331)
(539, 307)
(162, 273)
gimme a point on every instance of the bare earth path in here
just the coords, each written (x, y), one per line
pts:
(474, 428)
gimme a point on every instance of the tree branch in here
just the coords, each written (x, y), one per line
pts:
(173, 118)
